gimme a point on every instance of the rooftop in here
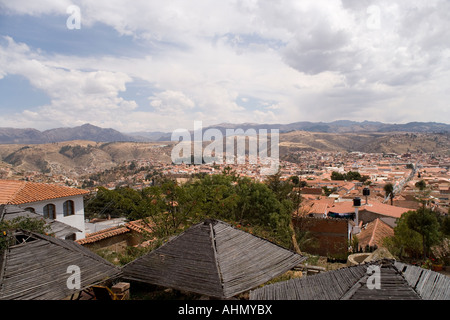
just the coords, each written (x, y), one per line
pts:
(397, 281)
(36, 267)
(213, 258)
(375, 207)
(374, 233)
(20, 192)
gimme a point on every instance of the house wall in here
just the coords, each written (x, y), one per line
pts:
(76, 220)
(331, 234)
(117, 243)
(367, 216)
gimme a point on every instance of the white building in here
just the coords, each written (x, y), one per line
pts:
(64, 204)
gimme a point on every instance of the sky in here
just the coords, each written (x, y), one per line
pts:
(161, 65)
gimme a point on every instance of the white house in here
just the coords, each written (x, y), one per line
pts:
(64, 204)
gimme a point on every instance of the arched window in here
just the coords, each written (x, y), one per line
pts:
(50, 211)
(71, 236)
(30, 209)
(68, 208)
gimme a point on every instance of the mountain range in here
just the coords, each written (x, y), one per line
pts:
(97, 134)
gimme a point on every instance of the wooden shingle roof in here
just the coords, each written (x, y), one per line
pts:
(19, 191)
(213, 258)
(398, 281)
(36, 267)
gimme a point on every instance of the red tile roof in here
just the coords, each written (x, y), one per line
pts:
(139, 226)
(375, 207)
(374, 234)
(103, 234)
(136, 225)
(19, 192)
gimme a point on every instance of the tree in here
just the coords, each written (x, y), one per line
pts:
(295, 180)
(279, 187)
(337, 176)
(389, 191)
(351, 175)
(405, 242)
(24, 223)
(423, 193)
(425, 222)
(421, 185)
(445, 226)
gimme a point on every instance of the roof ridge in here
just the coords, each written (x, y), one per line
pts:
(30, 191)
(13, 196)
(103, 231)
(212, 235)
(373, 231)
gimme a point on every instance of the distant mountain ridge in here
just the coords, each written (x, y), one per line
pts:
(346, 126)
(339, 126)
(84, 132)
(97, 134)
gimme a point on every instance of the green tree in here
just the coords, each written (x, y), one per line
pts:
(405, 242)
(281, 188)
(389, 191)
(421, 185)
(24, 223)
(445, 226)
(337, 176)
(425, 222)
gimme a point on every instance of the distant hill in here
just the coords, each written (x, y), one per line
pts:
(97, 134)
(340, 126)
(79, 157)
(376, 142)
(84, 132)
(76, 158)
(345, 126)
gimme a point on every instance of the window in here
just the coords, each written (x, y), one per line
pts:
(71, 236)
(68, 208)
(30, 209)
(50, 211)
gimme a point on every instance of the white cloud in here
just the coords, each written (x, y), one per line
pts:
(76, 96)
(171, 103)
(301, 60)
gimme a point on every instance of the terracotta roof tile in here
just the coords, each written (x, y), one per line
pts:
(137, 226)
(103, 234)
(374, 233)
(375, 207)
(19, 192)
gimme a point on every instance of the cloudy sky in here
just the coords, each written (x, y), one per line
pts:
(161, 65)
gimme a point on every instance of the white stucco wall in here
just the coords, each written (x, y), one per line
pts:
(76, 220)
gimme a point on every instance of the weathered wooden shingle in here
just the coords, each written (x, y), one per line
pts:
(37, 267)
(428, 284)
(330, 285)
(397, 281)
(213, 258)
